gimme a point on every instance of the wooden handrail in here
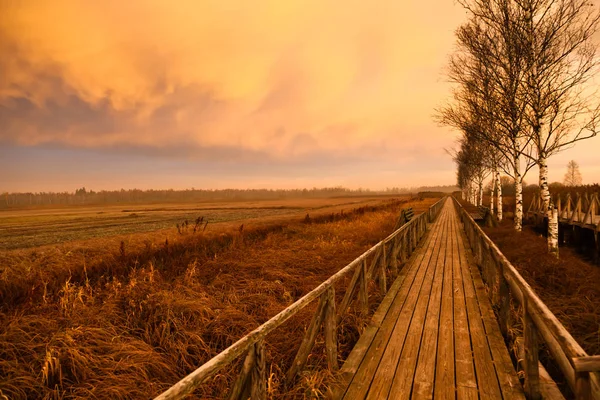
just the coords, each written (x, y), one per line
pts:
(536, 315)
(581, 211)
(409, 234)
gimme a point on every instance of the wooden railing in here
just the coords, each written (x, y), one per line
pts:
(505, 284)
(375, 264)
(584, 210)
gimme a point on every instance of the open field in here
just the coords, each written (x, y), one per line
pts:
(109, 317)
(32, 227)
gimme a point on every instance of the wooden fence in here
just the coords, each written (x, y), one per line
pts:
(506, 285)
(375, 264)
(583, 210)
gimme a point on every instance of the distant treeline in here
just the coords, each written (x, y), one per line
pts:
(85, 196)
(508, 187)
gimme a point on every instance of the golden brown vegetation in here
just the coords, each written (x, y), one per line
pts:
(570, 286)
(109, 319)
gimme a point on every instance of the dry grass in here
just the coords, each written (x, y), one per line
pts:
(39, 226)
(569, 286)
(101, 319)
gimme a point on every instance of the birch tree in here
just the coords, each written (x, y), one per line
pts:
(560, 57)
(488, 68)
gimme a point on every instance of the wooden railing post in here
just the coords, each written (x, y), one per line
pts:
(241, 387)
(394, 257)
(350, 290)
(583, 386)
(413, 239)
(363, 291)
(503, 304)
(583, 366)
(252, 381)
(382, 270)
(308, 341)
(407, 241)
(532, 373)
(259, 373)
(331, 331)
(404, 246)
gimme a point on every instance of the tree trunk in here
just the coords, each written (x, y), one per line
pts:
(492, 192)
(518, 195)
(545, 192)
(553, 231)
(498, 196)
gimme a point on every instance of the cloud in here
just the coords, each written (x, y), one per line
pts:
(218, 74)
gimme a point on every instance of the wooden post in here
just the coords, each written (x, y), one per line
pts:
(241, 387)
(407, 242)
(259, 373)
(503, 303)
(363, 292)
(350, 291)
(308, 341)
(394, 257)
(382, 270)
(583, 386)
(414, 239)
(404, 244)
(530, 335)
(331, 330)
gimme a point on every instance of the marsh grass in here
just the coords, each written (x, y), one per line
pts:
(127, 319)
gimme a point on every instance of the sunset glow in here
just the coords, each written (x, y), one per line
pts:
(229, 94)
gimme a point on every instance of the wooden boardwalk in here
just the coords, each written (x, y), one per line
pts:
(434, 334)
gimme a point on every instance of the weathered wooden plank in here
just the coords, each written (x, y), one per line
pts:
(424, 379)
(466, 381)
(509, 383)
(487, 380)
(445, 387)
(402, 350)
(355, 358)
(364, 371)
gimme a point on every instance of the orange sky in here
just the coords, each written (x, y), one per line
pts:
(228, 93)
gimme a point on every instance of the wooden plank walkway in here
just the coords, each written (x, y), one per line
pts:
(435, 334)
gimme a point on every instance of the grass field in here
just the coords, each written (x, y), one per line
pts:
(32, 227)
(125, 316)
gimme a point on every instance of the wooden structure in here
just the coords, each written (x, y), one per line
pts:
(583, 211)
(574, 215)
(434, 334)
(507, 287)
(377, 263)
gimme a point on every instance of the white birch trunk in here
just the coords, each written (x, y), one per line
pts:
(498, 196)
(553, 232)
(480, 203)
(545, 192)
(518, 195)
